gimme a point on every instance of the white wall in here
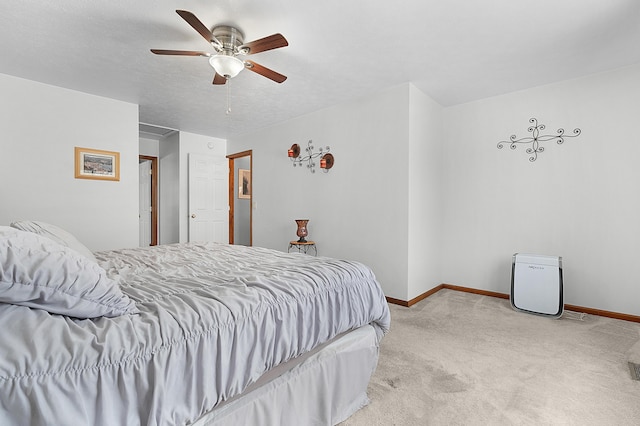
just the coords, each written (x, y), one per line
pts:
(41, 125)
(169, 190)
(149, 147)
(424, 180)
(398, 157)
(579, 200)
(359, 209)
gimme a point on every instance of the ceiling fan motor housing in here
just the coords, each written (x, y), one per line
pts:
(231, 39)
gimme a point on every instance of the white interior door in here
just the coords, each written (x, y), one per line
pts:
(144, 209)
(208, 198)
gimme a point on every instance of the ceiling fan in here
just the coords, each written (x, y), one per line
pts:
(228, 42)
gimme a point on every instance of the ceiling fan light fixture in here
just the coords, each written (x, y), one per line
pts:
(226, 65)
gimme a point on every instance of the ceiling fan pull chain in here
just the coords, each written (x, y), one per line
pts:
(228, 96)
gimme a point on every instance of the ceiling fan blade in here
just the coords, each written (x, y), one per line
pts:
(264, 71)
(198, 26)
(274, 41)
(218, 79)
(179, 52)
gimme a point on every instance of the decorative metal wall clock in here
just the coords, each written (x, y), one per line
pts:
(536, 138)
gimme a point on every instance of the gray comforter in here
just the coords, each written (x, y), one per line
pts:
(213, 318)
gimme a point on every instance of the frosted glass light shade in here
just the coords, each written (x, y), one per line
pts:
(227, 66)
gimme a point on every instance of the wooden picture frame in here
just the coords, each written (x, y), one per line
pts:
(244, 183)
(97, 164)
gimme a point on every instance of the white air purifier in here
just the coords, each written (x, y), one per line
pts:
(536, 284)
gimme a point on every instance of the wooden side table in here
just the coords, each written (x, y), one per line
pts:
(303, 247)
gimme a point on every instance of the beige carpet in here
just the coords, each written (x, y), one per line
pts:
(463, 359)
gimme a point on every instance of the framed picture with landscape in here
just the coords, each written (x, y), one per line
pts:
(97, 164)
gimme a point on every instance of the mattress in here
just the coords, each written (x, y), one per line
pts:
(212, 320)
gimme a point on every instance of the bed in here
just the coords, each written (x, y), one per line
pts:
(181, 334)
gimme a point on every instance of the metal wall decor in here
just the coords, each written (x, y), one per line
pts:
(326, 159)
(536, 138)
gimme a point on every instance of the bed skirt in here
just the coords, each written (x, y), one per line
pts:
(323, 388)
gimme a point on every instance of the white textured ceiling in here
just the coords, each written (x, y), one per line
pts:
(456, 51)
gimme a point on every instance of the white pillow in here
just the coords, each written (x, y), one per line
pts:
(55, 233)
(40, 273)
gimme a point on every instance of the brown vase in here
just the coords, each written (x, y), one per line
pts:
(302, 229)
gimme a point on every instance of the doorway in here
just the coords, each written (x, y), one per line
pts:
(207, 195)
(241, 198)
(148, 200)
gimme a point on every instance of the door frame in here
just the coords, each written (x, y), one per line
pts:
(154, 196)
(232, 179)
